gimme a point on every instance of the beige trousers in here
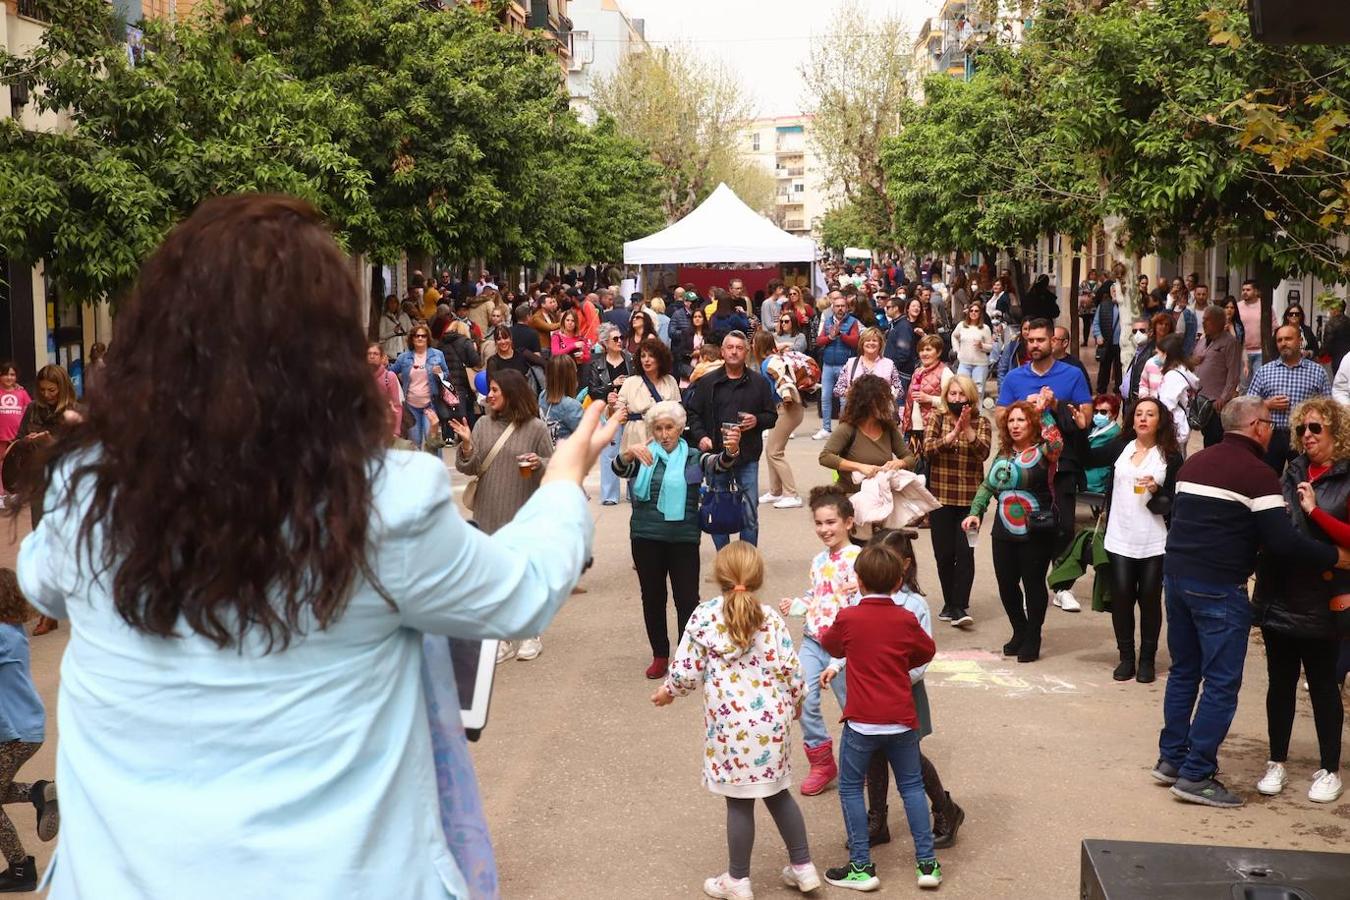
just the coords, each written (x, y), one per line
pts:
(781, 481)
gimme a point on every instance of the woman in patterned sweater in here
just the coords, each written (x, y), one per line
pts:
(1019, 483)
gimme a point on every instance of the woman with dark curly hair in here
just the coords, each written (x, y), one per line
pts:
(868, 438)
(1018, 486)
(239, 549)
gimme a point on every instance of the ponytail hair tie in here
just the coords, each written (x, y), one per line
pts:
(740, 587)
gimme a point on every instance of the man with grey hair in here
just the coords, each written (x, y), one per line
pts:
(1228, 505)
(1218, 366)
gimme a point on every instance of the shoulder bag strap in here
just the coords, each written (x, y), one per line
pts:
(495, 449)
(651, 389)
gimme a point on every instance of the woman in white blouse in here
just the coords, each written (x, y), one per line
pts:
(1144, 461)
(973, 340)
(1178, 387)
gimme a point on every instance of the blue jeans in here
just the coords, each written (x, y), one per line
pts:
(609, 482)
(829, 374)
(814, 659)
(420, 425)
(977, 374)
(747, 475)
(855, 752)
(1253, 363)
(1207, 627)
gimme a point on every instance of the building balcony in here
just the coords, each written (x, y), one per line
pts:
(34, 9)
(794, 225)
(547, 16)
(790, 171)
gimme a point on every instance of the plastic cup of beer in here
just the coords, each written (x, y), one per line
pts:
(524, 465)
(972, 537)
(1139, 486)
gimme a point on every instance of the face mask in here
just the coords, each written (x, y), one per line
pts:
(1101, 420)
(1140, 338)
(956, 408)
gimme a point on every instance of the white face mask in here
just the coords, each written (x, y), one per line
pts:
(1140, 338)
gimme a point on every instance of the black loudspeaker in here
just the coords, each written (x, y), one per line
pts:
(1135, 870)
(1300, 21)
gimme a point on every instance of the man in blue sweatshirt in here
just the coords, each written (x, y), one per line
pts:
(1228, 506)
(838, 343)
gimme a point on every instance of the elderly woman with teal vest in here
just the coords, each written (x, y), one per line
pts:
(664, 529)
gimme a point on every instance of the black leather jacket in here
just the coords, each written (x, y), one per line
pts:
(1292, 597)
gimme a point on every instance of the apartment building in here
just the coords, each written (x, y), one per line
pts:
(602, 35)
(549, 16)
(783, 146)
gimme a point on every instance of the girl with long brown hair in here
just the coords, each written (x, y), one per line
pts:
(739, 652)
(239, 549)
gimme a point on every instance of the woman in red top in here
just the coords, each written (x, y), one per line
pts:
(926, 389)
(387, 382)
(570, 339)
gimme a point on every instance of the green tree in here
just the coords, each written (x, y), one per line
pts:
(688, 113)
(147, 143)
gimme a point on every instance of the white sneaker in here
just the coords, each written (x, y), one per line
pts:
(530, 648)
(820, 435)
(1326, 787)
(724, 887)
(804, 877)
(770, 497)
(505, 650)
(788, 503)
(1066, 601)
(1273, 781)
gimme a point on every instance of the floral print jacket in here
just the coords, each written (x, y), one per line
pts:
(750, 697)
(833, 586)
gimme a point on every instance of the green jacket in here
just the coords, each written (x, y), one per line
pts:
(1086, 550)
(647, 523)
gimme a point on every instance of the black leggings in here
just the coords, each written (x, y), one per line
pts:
(1136, 581)
(656, 562)
(954, 557)
(1021, 566)
(879, 782)
(741, 831)
(1285, 655)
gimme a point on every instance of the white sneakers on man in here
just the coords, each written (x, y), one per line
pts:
(1273, 781)
(1066, 601)
(1326, 787)
(820, 435)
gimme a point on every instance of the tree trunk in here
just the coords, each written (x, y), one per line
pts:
(1075, 272)
(1267, 276)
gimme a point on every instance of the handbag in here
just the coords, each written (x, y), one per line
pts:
(1046, 521)
(471, 489)
(1200, 412)
(721, 509)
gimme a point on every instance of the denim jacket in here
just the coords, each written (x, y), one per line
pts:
(402, 367)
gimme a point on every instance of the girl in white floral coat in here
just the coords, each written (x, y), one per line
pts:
(740, 653)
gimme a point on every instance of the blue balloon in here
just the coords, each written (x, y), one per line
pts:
(480, 383)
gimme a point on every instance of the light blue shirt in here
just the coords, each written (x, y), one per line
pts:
(22, 715)
(189, 771)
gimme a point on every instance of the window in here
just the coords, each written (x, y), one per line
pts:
(798, 188)
(34, 9)
(754, 142)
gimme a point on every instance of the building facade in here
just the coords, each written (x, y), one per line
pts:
(602, 35)
(783, 146)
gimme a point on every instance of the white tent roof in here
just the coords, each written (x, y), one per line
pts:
(722, 230)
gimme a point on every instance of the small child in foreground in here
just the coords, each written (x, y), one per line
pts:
(739, 652)
(880, 642)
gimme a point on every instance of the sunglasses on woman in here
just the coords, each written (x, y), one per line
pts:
(1104, 411)
(1139, 330)
(1314, 427)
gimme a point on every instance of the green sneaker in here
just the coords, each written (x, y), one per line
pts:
(854, 877)
(929, 873)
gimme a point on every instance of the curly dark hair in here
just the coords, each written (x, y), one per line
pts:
(869, 397)
(14, 608)
(229, 484)
(654, 347)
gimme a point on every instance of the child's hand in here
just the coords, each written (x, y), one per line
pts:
(785, 605)
(663, 696)
(827, 676)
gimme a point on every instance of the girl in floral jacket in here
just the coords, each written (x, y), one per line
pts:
(740, 653)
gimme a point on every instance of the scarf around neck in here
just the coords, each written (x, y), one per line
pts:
(674, 491)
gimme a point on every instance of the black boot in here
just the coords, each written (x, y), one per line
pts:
(1014, 645)
(878, 832)
(1125, 671)
(1030, 651)
(19, 878)
(1147, 651)
(946, 823)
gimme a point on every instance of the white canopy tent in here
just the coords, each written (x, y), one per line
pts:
(722, 230)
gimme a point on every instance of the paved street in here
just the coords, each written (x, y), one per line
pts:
(592, 792)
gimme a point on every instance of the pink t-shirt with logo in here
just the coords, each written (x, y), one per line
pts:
(12, 404)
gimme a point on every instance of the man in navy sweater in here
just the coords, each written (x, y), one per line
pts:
(1228, 506)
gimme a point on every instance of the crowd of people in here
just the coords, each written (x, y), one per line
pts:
(956, 391)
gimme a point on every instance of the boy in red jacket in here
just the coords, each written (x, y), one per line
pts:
(881, 642)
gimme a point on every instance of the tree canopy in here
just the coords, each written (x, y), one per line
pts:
(412, 129)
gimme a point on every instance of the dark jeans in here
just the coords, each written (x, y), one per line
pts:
(1285, 656)
(1277, 453)
(1136, 581)
(953, 555)
(1109, 371)
(1207, 627)
(657, 562)
(855, 752)
(1066, 491)
(1020, 567)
